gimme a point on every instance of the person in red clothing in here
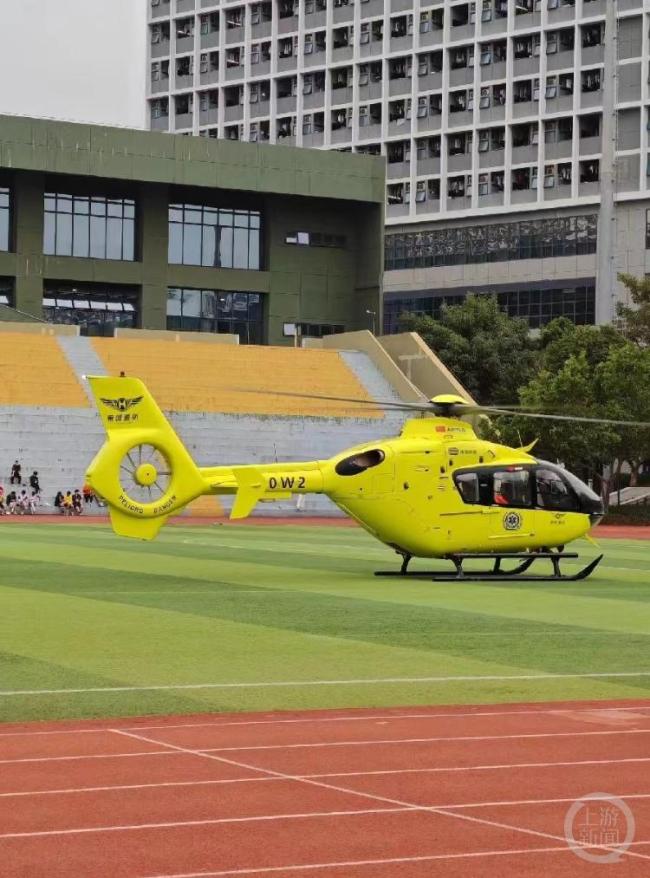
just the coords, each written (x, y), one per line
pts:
(88, 494)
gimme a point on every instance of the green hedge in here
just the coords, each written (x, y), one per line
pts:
(639, 515)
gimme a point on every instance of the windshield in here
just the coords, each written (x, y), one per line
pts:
(543, 486)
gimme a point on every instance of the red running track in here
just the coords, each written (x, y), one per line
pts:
(468, 791)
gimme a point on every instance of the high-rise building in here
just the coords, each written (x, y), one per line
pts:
(515, 131)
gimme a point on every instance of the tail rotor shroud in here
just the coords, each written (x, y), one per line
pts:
(145, 473)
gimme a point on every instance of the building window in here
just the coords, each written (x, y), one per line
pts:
(497, 242)
(92, 226)
(315, 239)
(97, 309)
(5, 217)
(194, 310)
(6, 293)
(214, 236)
(312, 330)
(537, 305)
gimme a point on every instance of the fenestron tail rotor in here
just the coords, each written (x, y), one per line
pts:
(145, 473)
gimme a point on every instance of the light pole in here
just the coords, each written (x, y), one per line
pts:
(372, 314)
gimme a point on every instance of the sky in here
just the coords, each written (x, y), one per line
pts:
(80, 60)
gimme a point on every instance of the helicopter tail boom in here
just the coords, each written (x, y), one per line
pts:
(144, 472)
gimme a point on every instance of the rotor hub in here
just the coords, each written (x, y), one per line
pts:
(146, 474)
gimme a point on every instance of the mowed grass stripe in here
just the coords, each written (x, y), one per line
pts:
(180, 611)
(210, 566)
(502, 641)
(534, 602)
(140, 646)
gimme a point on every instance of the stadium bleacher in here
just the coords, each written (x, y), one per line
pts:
(48, 423)
(35, 372)
(188, 376)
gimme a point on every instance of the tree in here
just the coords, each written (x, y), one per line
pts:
(623, 381)
(634, 323)
(490, 353)
(571, 390)
(561, 339)
(617, 387)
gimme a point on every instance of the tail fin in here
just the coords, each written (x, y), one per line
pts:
(143, 471)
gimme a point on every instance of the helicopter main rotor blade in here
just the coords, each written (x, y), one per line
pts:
(453, 410)
(424, 406)
(546, 417)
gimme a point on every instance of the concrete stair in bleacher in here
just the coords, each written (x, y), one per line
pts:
(81, 356)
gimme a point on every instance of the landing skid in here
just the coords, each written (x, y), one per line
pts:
(517, 573)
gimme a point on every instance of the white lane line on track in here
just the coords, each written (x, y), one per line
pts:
(117, 788)
(274, 684)
(214, 821)
(237, 780)
(489, 767)
(321, 745)
(365, 795)
(84, 756)
(360, 717)
(429, 740)
(497, 803)
(387, 862)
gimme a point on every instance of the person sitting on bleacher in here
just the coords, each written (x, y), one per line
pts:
(16, 477)
(22, 503)
(2, 500)
(66, 503)
(11, 503)
(58, 502)
(34, 483)
(88, 493)
(77, 502)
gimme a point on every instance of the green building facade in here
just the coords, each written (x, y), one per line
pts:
(109, 227)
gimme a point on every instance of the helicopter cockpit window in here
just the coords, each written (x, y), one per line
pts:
(358, 463)
(553, 492)
(468, 487)
(511, 487)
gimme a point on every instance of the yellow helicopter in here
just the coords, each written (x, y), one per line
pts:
(434, 491)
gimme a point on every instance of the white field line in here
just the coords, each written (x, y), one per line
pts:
(360, 717)
(320, 745)
(270, 684)
(267, 870)
(334, 774)
(365, 795)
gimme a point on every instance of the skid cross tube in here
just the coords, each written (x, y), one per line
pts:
(517, 573)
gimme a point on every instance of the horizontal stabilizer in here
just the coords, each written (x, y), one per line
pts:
(250, 487)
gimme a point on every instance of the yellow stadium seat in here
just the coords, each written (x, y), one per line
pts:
(207, 506)
(35, 372)
(187, 376)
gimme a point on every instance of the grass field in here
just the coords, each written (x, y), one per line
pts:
(83, 610)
